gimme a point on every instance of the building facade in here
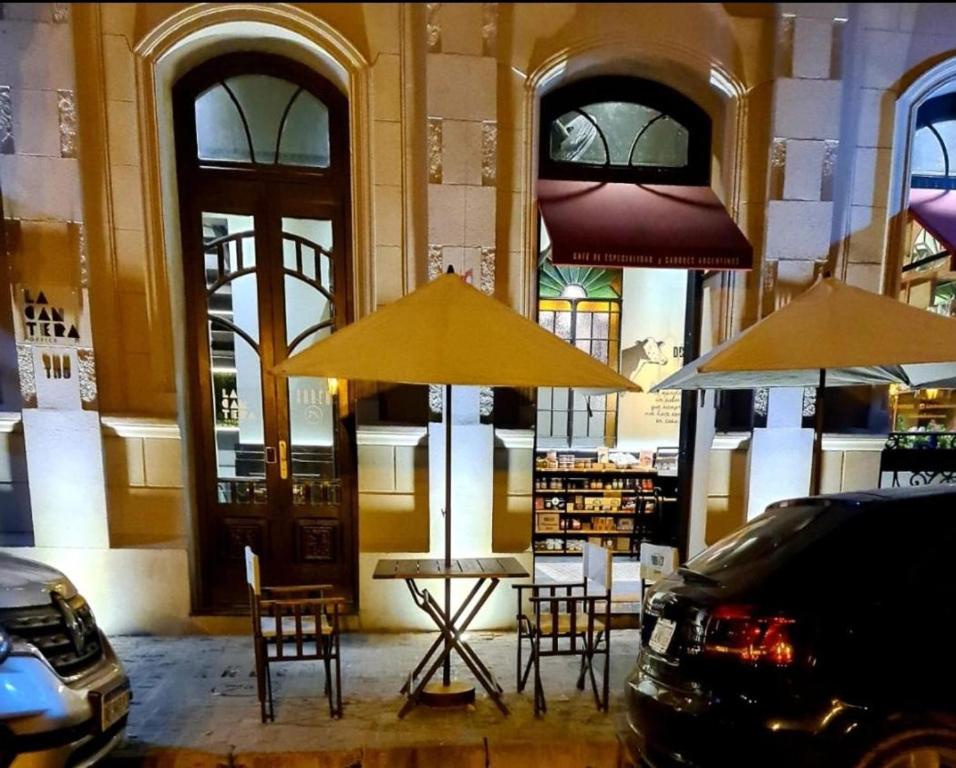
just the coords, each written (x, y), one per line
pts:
(134, 215)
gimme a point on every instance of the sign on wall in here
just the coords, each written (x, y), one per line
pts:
(652, 348)
(47, 316)
(56, 371)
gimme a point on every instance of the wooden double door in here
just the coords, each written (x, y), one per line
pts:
(266, 275)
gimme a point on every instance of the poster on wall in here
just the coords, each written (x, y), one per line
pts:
(652, 348)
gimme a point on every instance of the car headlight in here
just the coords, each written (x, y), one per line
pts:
(6, 645)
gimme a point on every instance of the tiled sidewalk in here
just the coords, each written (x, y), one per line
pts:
(195, 704)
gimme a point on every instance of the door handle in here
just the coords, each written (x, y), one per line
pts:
(283, 460)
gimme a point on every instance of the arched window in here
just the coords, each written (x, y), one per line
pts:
(263, 165)
(623, 129)
(262, 119)
(933, 164)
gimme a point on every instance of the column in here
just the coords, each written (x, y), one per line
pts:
(40, 175)
(461, 103)
(799, 245)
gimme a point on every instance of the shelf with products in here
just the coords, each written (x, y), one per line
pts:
(591, 494)
(588, 491)
(649, 471)
(930, 409)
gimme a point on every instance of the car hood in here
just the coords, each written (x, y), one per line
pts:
(25, 583)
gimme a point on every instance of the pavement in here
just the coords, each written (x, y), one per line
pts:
(195, 706)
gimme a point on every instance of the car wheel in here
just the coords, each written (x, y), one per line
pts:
(924, 748)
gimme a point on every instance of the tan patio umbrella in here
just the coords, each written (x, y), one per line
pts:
(831, 334)
(448, 332)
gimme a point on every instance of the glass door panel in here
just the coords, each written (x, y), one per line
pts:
(308, 285)
(232, 310)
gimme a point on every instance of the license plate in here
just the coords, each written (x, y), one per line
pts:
(113, 707)
(661, 636)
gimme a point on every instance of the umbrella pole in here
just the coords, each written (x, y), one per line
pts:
(446, 672)
(816, 467)
(448, 694)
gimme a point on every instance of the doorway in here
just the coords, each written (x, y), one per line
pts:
(263, 182)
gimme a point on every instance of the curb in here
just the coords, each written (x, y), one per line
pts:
(604, 754)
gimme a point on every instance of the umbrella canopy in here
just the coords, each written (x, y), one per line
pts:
(691, 376)
(855, 336)
(930, 375)
(448, 332)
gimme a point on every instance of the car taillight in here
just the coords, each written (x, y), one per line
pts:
(737, 631)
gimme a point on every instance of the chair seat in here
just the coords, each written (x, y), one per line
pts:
(564, 624)
(268, 627)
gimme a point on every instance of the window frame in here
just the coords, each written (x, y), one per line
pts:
(216, 70)
(634, 90)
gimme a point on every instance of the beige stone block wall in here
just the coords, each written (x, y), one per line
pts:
(849, 464)
(393, 498)
(513, 499)
(726, 494)
(145, 494)
(15, 521)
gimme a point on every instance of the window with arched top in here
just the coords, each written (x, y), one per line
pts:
(263, 166)
(933, 159)
(256, 118)
(623, 129)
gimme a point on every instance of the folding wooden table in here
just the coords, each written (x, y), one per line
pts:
(487, 571)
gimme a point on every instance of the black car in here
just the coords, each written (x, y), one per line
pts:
(822, 633)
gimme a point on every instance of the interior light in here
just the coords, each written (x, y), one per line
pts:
(333, 385)
(574, 291)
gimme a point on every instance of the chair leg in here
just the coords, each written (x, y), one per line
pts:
(540, 705)
(523, 679)
(600, 696)
(585, 660)
(326, 645)
(327, 662)
(338, 676)
(260, 680)
(272, 711)
(607, 665)
(518, 685)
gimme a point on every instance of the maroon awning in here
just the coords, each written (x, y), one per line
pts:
(935, 209)
(640, 225)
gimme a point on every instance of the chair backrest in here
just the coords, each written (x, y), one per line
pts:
(252, 571)
(657, 561)
(598, 569)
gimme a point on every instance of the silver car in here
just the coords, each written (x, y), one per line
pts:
(64, 697)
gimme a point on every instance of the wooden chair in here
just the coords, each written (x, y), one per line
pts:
(568, 620)
(293, 624)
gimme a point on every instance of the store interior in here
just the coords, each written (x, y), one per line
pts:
(606, 465)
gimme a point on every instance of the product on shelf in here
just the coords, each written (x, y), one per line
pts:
(548, 522)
